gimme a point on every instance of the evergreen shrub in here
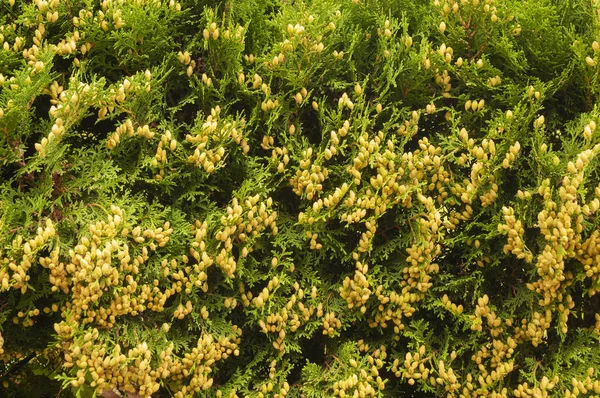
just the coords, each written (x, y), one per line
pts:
(309, 198)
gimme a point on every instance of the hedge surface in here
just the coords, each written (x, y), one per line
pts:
(271, 198)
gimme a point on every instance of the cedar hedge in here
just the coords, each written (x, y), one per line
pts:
(276, 198)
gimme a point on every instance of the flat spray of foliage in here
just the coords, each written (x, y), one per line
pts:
(328, 198)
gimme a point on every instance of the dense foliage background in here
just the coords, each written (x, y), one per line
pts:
(270, 198)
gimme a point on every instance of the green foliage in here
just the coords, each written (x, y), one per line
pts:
(300, 198)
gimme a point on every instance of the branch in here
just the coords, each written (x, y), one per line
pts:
(17, 366)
